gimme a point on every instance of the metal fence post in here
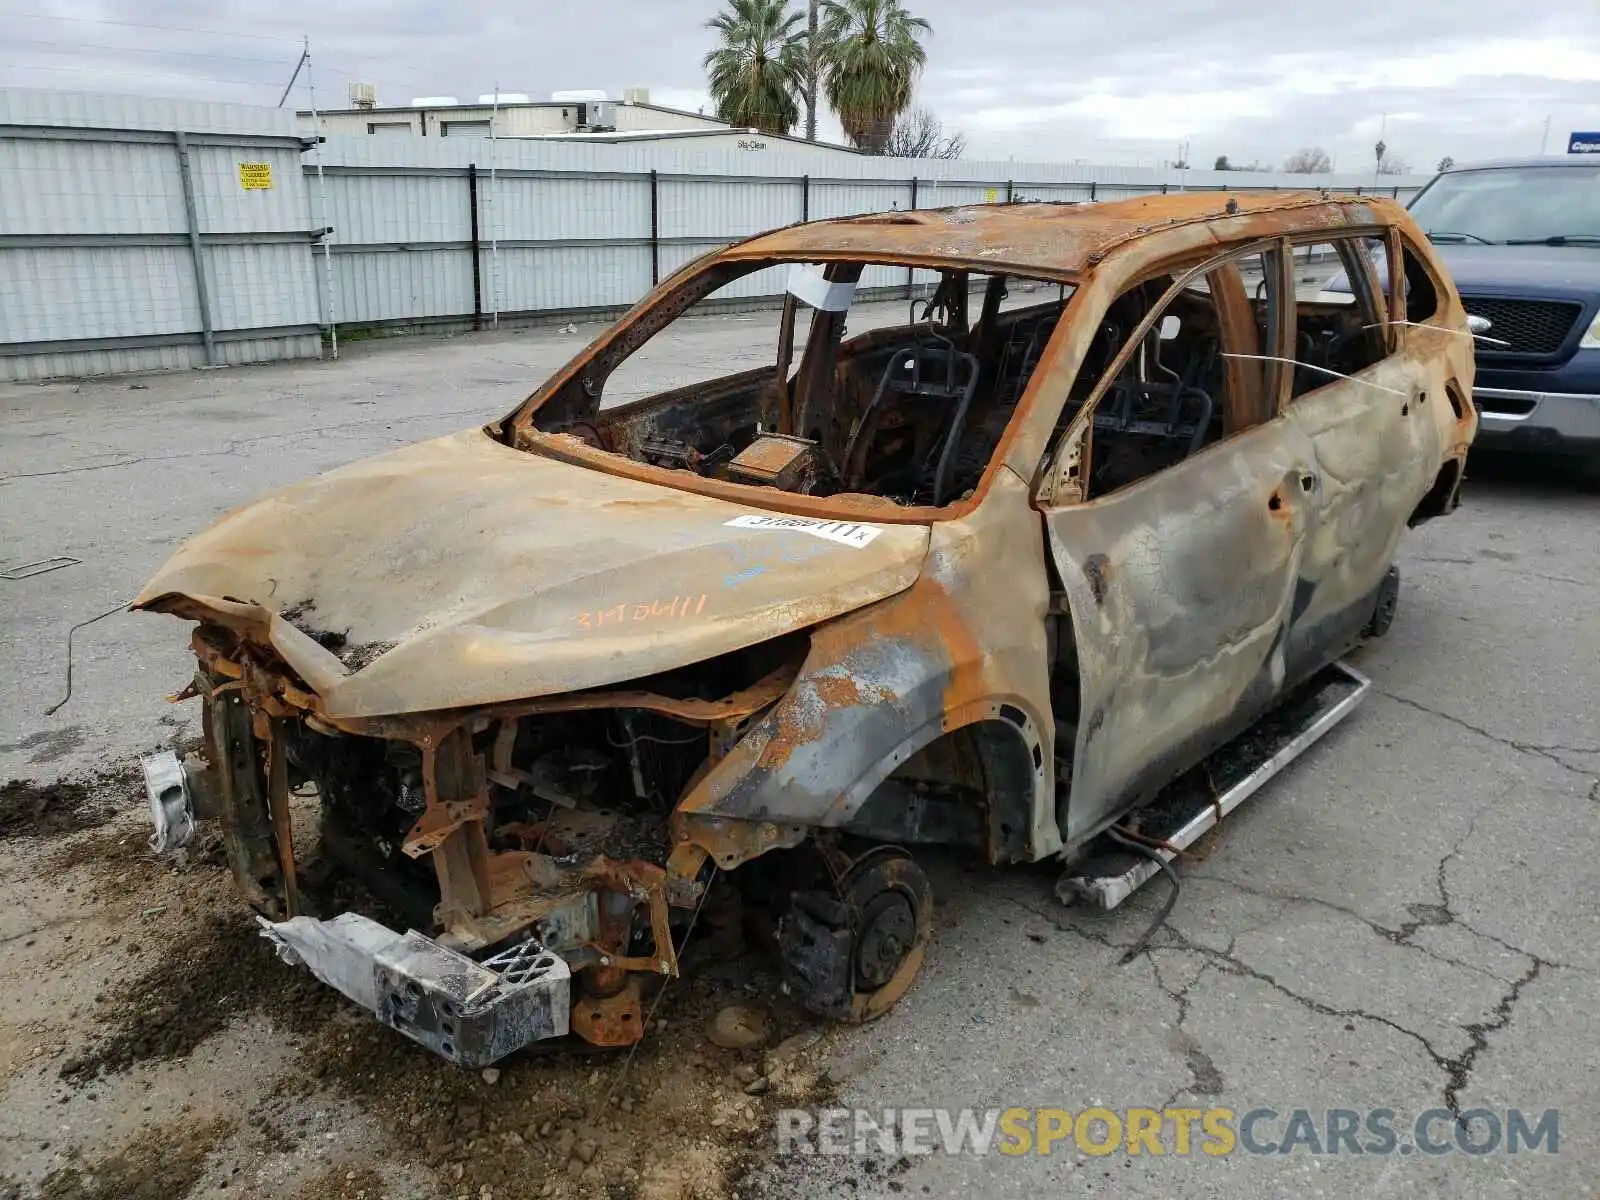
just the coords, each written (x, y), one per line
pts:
(477, 266)
(911, 272)
(196, 250)
(1092, 186)
(655, 228)
(805, 197)
(1011, 190)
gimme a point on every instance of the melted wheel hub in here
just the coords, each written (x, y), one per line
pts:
(888, 929)
(853, 951)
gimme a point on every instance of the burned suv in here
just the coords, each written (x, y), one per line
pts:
(994, 575)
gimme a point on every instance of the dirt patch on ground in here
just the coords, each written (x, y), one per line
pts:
(157, 1164)
(344, 1183)
(210, 974)
(29, 809)
(678, 1118)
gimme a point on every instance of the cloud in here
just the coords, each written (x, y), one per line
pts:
(1093, 80)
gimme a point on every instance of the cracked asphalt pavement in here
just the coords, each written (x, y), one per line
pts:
(1405, 919)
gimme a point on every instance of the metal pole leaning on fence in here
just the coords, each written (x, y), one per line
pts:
(327, 225)
(196, 250)
(494, 204)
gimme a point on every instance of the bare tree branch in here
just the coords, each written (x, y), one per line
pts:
(921, 134)
(1310, 160)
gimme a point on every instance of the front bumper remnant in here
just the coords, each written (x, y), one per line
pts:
(169, 789)
(471, 1013)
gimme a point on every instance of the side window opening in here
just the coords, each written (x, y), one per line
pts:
(850, 388)
(1197, 374)
(1334, 339)
(1166, 401)
(1422, 297)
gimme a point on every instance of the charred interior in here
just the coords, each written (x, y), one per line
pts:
(913, 412)
(909, 412)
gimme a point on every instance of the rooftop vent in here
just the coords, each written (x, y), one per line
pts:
(636, 95)
(433, 101)
(363, 95)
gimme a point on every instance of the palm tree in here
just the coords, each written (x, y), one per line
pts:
(758, 70)
(813, 67)
(871, 56)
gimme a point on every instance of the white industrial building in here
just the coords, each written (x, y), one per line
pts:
(583, 116)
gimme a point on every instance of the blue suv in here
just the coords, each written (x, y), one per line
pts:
(1521, 238)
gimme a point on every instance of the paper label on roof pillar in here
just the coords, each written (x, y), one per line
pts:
(807, 284)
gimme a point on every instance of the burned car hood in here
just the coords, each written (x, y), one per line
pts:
(462, 572)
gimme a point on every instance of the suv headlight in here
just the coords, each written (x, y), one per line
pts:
(1591, 339)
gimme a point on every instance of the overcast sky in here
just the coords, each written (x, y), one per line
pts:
(1099, 80)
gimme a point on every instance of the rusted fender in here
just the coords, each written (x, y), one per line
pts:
(965, 644)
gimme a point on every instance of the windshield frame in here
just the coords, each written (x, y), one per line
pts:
(1446, 181)
(659, 310)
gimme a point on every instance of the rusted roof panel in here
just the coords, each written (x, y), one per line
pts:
(1054, 239)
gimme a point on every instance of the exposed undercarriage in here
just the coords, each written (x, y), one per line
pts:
(530, 854)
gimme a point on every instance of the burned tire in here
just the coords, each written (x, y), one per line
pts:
(1383, 609)
(852, 954)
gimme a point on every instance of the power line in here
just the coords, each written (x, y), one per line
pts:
(362, 76)
(263, 37)
(139, 74)
(75, 46)
(260, 37)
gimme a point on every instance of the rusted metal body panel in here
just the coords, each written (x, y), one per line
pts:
(1180, 589)
(1055, 240)
(1010, 672)
(484, 575)
(965, 645)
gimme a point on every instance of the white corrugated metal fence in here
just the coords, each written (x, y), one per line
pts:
(139, 233)
(119, 214)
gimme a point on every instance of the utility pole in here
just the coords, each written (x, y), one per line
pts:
(811, 70)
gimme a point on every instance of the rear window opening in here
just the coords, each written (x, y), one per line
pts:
(833, 379)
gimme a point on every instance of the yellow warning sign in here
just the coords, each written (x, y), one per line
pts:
(255, 176)
(992, 196)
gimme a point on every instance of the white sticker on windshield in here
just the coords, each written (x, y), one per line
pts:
(846, 533)
(807, 284)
